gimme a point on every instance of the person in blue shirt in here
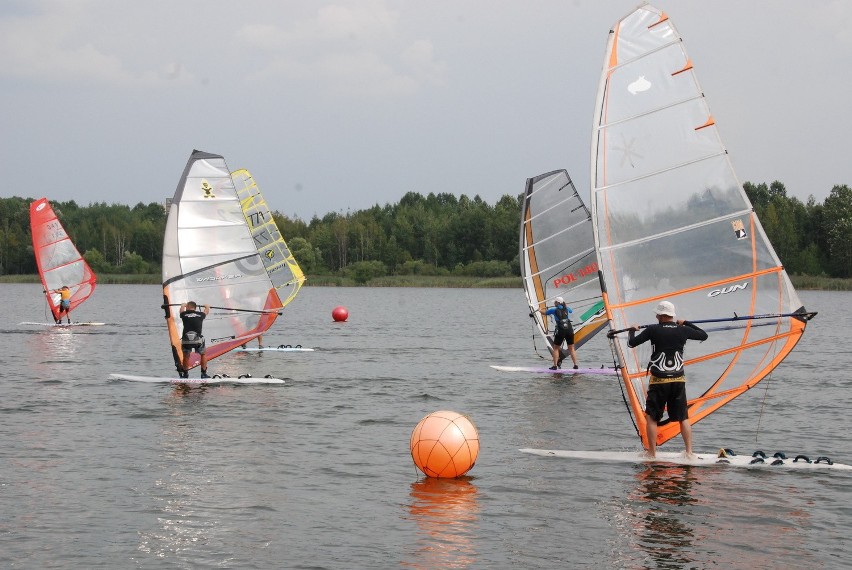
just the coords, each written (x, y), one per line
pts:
(563, 333)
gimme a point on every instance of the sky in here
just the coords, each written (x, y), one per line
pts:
(336, 106)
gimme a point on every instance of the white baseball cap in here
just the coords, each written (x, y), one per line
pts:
(665, 308)
(560, 300)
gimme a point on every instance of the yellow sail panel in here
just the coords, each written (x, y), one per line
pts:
(283, 270)
(672, 222)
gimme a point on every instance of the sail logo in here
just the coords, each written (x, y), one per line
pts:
(571, 277)
(639, 85)
(739, 229)
(41, 206)
(218, 278)
(207, 189)
(726, 290)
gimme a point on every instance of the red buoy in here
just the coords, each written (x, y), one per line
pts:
(340, 314)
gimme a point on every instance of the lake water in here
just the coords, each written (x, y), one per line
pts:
(317, 473)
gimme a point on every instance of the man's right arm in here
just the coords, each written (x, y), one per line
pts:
(633, 341)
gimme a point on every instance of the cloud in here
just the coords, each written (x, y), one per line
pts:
(344, 50)
(60, 43)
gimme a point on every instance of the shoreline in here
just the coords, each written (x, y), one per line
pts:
(800, 282)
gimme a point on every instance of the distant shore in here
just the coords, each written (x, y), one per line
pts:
(800, 282)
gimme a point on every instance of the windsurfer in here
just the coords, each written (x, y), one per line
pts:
(667, 387)
(64, 304)
(564, 332)
(259, 342)
(192, 339)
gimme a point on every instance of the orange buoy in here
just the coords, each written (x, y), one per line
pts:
(339, 314)
(444, 444)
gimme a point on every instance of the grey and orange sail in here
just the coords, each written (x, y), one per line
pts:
(672, 222)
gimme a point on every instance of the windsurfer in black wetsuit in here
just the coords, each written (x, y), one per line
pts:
(192, 339)
(564, 331)
(667, 387)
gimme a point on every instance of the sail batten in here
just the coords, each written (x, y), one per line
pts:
(672, 222)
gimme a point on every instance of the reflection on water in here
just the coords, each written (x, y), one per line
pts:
(51, 345)
(447, 515)
(681, 516)
(664, 494)
(185, 527)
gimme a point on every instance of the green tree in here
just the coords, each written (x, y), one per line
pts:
(838, 221)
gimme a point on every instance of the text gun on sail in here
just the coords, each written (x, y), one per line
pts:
(805, 315)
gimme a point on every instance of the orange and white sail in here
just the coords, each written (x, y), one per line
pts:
(59, 263)
(672, 222)
(209, 257)
(558, 255)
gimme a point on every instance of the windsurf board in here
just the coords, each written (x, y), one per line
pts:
(275, 349)
(62, 324)
(721, 458)
(543, 370)
(195, 381)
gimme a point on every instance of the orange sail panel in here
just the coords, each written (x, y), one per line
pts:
(672, 222)
(59, 263)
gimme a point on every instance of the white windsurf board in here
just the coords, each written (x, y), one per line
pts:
(195, 381)
(62, 324)
(275, 349)
(544, 370)
(697, 459)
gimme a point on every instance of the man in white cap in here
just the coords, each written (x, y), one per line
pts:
(564, 332)
(667, 387)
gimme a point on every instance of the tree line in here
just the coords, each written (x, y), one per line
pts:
(436, 234)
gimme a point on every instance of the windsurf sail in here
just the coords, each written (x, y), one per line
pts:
(281, 266)
(672, 222)
(59, 263)
(558, 255)
(209, 257)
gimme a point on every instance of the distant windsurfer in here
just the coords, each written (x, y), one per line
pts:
(259, 342)
(64, 304)
(667, 387)
(564, 332)
(192, 339)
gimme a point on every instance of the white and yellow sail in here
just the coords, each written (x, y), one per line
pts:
(209, 257)
(279, 262)
(672, 222)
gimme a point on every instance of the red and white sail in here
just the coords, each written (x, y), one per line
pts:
(59, 263)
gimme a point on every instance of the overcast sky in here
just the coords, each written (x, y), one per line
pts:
(340, 105)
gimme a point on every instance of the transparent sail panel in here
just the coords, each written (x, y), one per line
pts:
(672, 222)
(558, 256)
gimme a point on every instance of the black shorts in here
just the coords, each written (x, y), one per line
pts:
(671, 395)
(563, 336)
